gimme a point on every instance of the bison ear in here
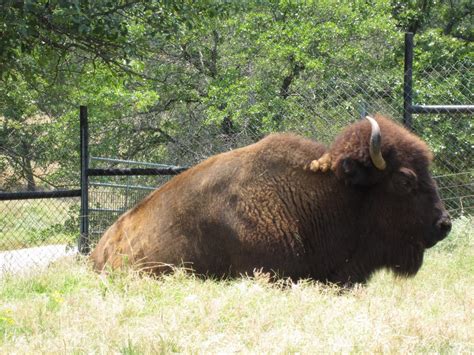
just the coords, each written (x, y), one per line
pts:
(404, 181)
(353, 172)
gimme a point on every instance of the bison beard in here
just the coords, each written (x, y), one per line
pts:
(291, 206)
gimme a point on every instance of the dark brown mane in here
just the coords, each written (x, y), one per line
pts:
(397, 142)
(400, 147)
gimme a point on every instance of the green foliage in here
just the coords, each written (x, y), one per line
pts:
(108, 30)
(454, 18)
(174, 82)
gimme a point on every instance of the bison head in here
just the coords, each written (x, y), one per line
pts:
(389, 166)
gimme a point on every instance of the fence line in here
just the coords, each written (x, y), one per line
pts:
(316, 106)
(31, 195)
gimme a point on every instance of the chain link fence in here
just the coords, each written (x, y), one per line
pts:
(38, 153)
(454, 157)
(450, 135)
(33, 232)
(110, 196)
(318, 104)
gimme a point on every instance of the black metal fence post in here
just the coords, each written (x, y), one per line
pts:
(83, 244)
(408, 81)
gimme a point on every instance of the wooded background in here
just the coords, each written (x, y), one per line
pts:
(176, 81)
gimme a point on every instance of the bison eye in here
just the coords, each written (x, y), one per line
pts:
(405, 181)
(354, 172)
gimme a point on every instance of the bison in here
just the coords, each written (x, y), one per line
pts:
(290, 206)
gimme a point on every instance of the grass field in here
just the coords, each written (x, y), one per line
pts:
(70, 309)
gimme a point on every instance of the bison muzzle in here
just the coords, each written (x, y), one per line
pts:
(290, 206)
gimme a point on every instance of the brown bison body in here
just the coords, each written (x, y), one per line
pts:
(273, 206)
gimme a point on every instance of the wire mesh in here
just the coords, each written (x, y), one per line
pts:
(317, 104)
(454, 157)
(37, 231)
(450, 136)
(40, 152)
(111, 196)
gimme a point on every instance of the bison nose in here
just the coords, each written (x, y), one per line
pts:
(444, 226)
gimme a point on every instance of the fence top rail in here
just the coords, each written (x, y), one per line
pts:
(171, 170)
(132, 162)
(122, 186)
(29, 195)
(442, 108)
(470, 172)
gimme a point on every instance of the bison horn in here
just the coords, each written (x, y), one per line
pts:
(375, 144)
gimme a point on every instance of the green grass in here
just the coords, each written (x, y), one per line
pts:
(70, 309)
(31, 223)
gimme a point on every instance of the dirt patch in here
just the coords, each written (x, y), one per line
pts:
(23, 261)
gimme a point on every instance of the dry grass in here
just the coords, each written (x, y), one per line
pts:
(71, 309)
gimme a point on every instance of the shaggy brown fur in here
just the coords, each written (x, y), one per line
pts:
(267, 206)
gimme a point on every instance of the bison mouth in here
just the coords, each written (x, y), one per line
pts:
(430, 242)
(409, 260)
(440, 230)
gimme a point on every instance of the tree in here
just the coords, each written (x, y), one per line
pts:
(48, 47)
(453, 17)
(176, 81)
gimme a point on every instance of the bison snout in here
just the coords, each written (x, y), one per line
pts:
(440, 230)
(444, 226)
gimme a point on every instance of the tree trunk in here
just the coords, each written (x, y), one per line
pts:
(27, 167)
